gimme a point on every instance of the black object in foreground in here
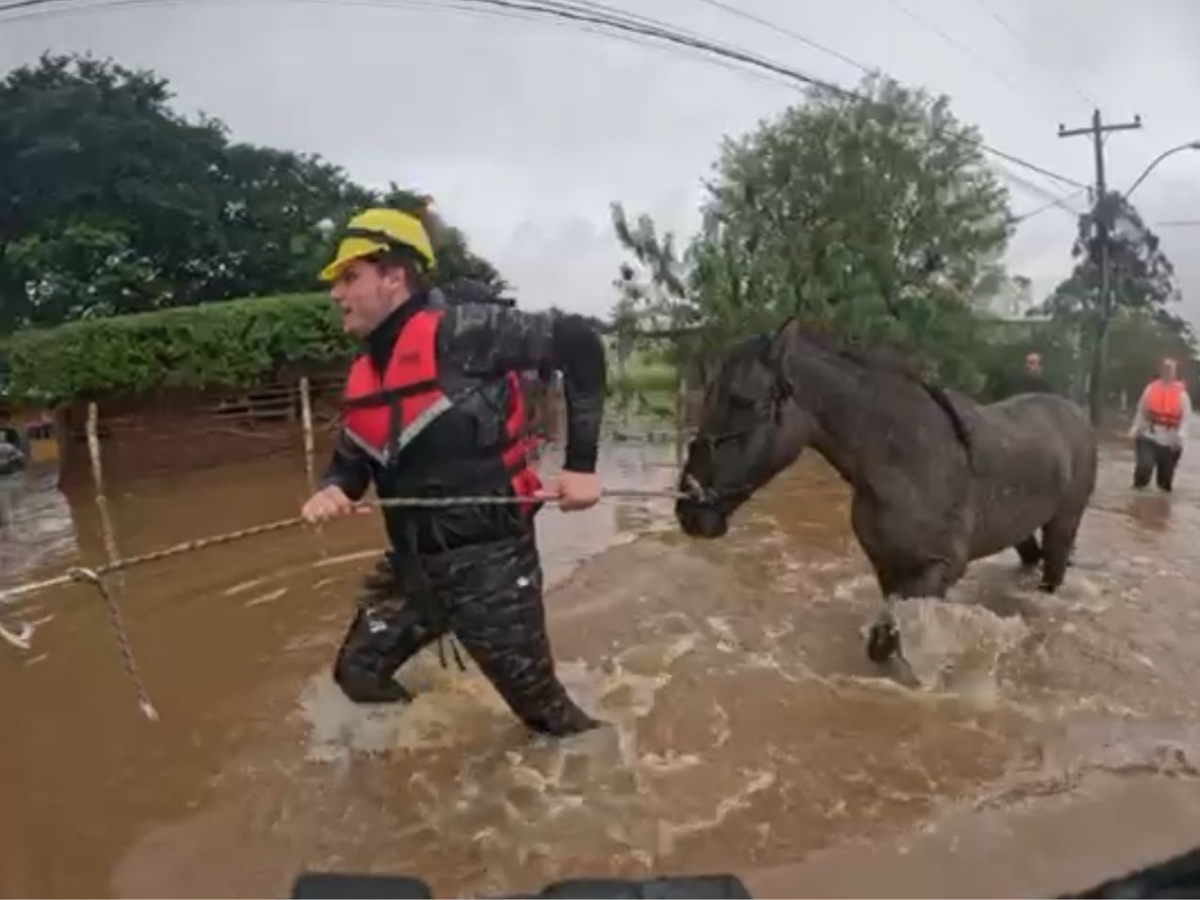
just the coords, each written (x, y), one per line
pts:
(322, 885)
(1178, 876)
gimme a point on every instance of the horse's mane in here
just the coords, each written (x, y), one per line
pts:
(887, 360)
(890, 360)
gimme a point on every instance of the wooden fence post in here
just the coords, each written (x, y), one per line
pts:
(306, 414)
(309, 470)
(106, 525)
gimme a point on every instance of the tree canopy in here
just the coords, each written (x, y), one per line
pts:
(877, 217)
(1144, 294)
(112, 203)
(1142, 277)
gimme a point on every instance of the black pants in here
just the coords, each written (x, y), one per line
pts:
(489, 596)
(1154, 458)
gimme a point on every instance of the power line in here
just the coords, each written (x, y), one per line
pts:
(579, 14)
(671, 34)
(1032, 167)
(68, 7)
(1084, 62)
(609, 19)
(767, 23)
(506, 11)
(1056, 203)
(967, 52)
(1003, 23)
(952, 42)
(1027, 184)
(774, 26)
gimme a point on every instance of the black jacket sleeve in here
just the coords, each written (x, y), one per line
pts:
(489, 339)
(349, 468)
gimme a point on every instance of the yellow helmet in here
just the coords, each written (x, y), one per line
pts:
(375, 230)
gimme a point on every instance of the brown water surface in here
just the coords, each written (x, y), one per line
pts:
(748, 731)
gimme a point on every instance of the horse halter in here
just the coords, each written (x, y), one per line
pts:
(767, 407)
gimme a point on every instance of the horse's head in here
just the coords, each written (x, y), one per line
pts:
(750, 429)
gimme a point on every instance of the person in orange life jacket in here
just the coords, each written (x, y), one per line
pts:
(457, 292)
(433, 407)
(1159, 428)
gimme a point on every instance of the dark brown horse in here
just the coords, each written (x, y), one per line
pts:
(938, 480)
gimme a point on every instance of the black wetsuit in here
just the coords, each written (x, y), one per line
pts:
(470, 570)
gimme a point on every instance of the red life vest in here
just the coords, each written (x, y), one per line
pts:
(384, 415)
(1164, 403)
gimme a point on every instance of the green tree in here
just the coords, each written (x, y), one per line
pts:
(82, 272)
(655, 296)
(112, 203)
(1143, 291)
(272, 205)
(88, 142)
(654, 308)
(1141, 275)
(876, 217)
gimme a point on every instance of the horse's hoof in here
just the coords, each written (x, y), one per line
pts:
(883, 642)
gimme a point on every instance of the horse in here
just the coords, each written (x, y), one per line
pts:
(938, 480)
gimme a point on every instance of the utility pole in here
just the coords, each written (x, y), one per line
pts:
(1103, 218)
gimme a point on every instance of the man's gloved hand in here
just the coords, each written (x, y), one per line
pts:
(577, 490)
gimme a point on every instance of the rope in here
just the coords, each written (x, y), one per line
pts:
(118, 627)
(118, 565)
(96, 575)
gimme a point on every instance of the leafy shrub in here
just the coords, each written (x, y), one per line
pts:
(229, 344)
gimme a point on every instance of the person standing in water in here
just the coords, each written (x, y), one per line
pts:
(434, 408)
(1031, 380)
(1159, 429)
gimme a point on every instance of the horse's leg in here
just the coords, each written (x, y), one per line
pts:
(883, 638)
(1058, 540)
(1030, 551)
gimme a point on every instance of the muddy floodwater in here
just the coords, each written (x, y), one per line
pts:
(1046, 744)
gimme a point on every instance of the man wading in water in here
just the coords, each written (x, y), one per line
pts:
(434, 408)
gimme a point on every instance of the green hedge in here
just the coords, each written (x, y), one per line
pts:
(229, 344)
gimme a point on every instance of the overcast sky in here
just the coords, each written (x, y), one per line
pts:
(526, 131)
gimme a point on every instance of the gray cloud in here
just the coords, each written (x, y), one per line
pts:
(525, 131)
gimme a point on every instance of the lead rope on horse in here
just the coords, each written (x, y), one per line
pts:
(96, 575)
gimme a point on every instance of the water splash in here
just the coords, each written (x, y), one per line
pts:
(956, 648)
(523, 796)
